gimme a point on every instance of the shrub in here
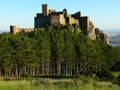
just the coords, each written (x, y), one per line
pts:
(118, 79)
(105, 75)
(24, 75)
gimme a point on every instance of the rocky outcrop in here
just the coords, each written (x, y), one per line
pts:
(100, 35)
(91, 31)
(96, 34)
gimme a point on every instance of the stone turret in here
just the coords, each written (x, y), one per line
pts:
(45, 10)
(14, 29)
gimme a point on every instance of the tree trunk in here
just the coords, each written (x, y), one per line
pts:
(0, 72)
(58, 67)
(43, 68)
(16, 72)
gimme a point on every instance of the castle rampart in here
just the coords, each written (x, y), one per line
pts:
(15, 29)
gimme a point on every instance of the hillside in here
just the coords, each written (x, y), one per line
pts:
(56, 50)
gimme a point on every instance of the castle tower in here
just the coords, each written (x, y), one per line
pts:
(84, 22)
(45, 10)
(13, 29)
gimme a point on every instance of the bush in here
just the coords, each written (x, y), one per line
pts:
(54, 76)
(105, 75)
(24, 75)
(118, 79)
(6, 79)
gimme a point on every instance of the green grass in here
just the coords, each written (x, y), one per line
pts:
(57, 84)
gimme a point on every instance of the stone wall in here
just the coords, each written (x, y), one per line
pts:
(72, 20)
(51, 11)
(57, 19)
(42, 21)
(84, 22)
(62, 19)
(77, 15)
(15, 29)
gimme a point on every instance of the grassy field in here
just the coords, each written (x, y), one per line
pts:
(56, 84)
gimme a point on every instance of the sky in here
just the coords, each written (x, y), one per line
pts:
(103, 13)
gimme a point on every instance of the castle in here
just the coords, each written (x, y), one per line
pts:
(52, 17)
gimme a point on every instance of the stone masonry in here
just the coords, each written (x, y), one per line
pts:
(15, 29)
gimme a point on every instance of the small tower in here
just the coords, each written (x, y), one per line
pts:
(45, 10)
(13, 29)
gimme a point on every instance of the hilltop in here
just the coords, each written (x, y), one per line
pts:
(51, 17)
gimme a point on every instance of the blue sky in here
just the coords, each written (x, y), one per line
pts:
(104, 13)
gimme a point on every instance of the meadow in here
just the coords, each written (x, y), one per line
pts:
(56, 84)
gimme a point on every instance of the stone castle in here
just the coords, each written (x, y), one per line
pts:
(52, 17)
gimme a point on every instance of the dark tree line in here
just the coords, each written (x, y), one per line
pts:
(55, 50)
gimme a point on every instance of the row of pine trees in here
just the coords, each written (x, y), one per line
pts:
(54, 50)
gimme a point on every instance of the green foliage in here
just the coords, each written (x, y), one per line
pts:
(118, 79)
(56, 50)
(105, 75)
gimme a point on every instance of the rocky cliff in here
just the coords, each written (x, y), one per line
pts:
(96, 34)
(100, 35)
(91, 31)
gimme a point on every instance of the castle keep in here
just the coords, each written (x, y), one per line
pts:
(53, 17)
